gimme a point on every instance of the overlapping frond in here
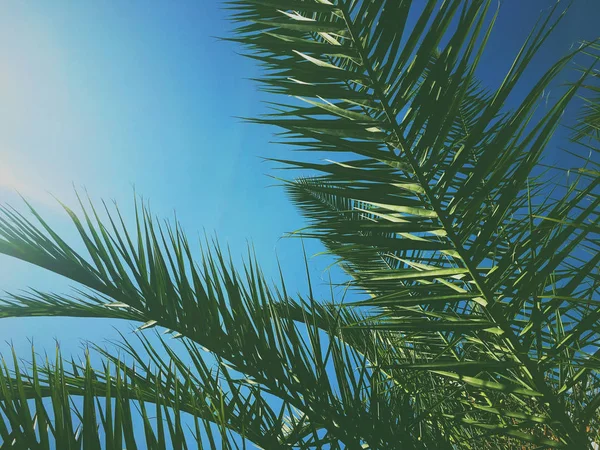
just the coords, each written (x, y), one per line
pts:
(73, 406)
(436, 204)
(83, 408)
(480, 269)
(295, 352)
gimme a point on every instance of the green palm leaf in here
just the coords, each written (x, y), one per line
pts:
(436, 211)
(302, 354)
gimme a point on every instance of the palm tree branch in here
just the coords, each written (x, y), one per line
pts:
(372, 78)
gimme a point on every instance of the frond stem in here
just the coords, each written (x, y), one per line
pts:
(537, 378)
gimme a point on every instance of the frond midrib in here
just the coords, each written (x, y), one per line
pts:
(491, 311)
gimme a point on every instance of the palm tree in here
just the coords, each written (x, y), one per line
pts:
(478, 266)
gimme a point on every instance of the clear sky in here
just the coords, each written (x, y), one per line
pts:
(110, 94)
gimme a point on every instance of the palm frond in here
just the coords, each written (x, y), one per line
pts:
(297, 352)
(440, 212)
(52, 406)
(175, 402)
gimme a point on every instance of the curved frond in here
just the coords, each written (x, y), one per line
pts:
(298, 353)
(54, 406)
(436, 204)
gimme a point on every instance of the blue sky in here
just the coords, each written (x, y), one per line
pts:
(109, 95)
